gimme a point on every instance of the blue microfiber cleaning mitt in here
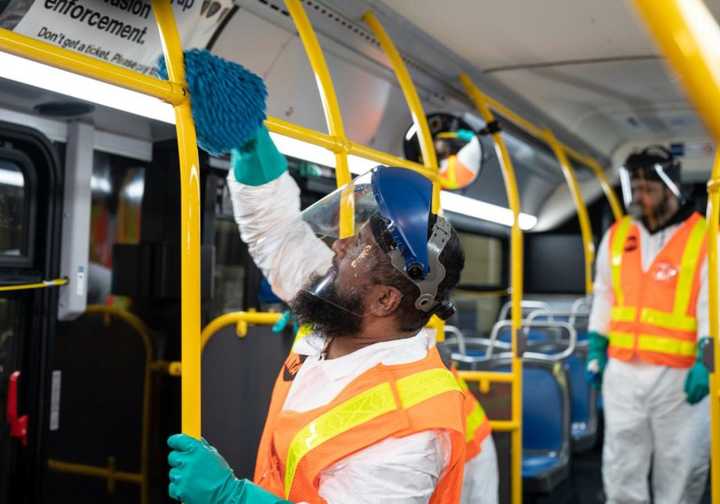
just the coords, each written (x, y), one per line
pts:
(228, 101)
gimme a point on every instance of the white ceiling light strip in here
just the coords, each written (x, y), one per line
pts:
(84, 88)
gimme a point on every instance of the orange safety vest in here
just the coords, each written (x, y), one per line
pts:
(383, 402)
(477, 424)
(653, 312)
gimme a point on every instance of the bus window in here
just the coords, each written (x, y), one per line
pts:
(476, 298)
(16, 211)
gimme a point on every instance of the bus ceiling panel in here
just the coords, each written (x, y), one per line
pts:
(518, 32)
(559, 206)
(261, 31)
(608, 101)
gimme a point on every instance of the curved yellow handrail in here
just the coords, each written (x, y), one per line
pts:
(574, 187)
(58, 282)
(612, 198)
(241, 320)
(144, 332)
(427, 146)
(689, 37)
(189, 225)
(516, 291)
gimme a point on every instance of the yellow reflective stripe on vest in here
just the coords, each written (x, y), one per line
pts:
(303, 331)
(355, 411)
(671, 346)
(473, 422)
(680, 322)
(688, 267)
(623, 313)
(619, 339)
(424, 385)
(617, 249)
(363, 408)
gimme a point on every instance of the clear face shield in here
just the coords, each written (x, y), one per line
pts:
(374, 222)
(644, 188)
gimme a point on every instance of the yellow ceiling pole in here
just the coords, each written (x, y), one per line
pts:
(574, 187)
(331, 109)
(713, 218)
(689, 37)
(189, 225)
(516, 280)
(427, 146)
(612, 198)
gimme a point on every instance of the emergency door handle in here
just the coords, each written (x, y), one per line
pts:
(18, 425)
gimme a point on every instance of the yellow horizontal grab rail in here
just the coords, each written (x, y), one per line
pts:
(108, 473)
(58, 282)
(504, 425)
(49, 54)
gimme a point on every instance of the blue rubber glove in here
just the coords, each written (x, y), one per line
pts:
(258, 161)
(697, 381)
(199, 475)
(596, 359)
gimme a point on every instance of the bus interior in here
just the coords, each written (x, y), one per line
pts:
(91, 297)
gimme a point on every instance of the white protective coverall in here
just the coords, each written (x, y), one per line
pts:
(402, 470)
(648, 421)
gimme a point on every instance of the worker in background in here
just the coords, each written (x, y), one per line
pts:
(648, 328)
(364, 409)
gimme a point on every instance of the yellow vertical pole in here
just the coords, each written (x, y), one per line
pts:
(713, 219)
(189, 225)
(689, 37)
(516, 283)
(574, 187)
(331, 108)
(413, 100)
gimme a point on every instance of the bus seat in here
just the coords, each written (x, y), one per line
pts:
(546, 423)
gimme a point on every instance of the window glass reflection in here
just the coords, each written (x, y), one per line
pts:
(13, 210)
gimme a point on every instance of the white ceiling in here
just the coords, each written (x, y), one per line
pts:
(588, 64)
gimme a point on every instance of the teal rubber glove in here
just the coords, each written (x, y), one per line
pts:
(199, 475)
(596, 359)
(258, 161)
(465, 135)
(697, 381)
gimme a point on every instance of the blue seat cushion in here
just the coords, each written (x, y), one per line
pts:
(535, 465)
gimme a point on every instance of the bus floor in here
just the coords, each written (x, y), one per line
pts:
(584, 486)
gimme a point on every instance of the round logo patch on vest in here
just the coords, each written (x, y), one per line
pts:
(631, 243)
(665, 271)
(292, 366)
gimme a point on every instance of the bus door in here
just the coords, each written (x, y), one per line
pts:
(29, 236)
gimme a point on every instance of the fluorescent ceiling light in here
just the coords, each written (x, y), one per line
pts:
(84, 88)
(471, 207)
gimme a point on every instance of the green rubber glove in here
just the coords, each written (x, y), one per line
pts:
(199, 475)
(258, 161)
(596, 359)
(697, 381)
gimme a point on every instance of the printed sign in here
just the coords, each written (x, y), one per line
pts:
(122, 32)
